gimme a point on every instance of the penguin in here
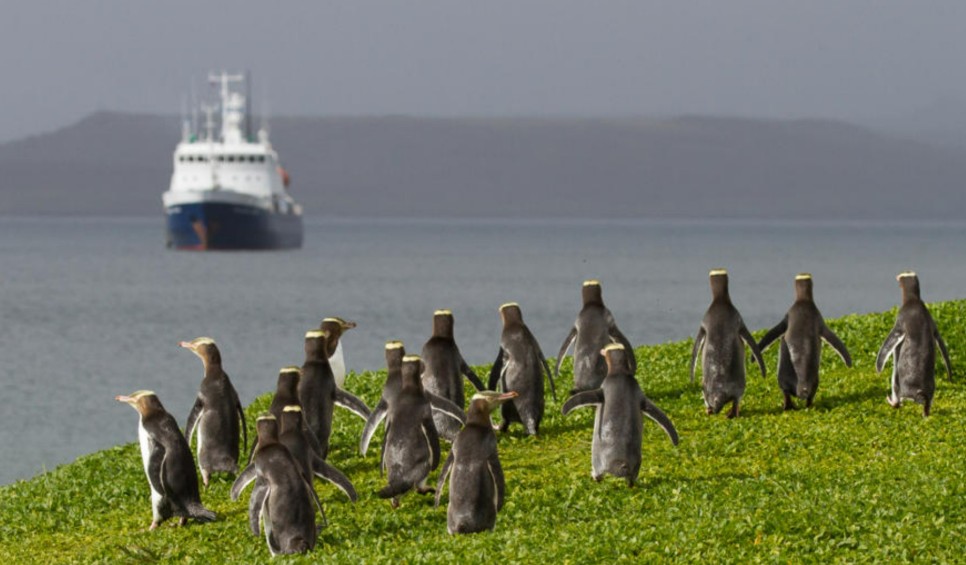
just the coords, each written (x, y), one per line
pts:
(618, 426)
(292, 436)
(318, 394)
(395, 351)
(912, 346)
(217, 414)
(283, 499)
(336, 327)
(477, 486)
(445, 368)
(412, 442)
(595, 327)
(801, 332)
(723, 357)
(167, 461)
(519, 367)
(286, 394)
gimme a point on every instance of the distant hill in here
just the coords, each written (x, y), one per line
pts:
(695, 166)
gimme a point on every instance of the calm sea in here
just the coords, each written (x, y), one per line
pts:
(92, 308)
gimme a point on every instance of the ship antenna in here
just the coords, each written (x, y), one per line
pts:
(248, 106)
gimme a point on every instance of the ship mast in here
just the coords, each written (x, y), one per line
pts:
(232, 106)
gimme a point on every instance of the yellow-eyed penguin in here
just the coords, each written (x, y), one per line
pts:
(520, 367)
(286, 503)
(595, 328)
(318, 394)
(723, 357)
(801, 333)
(618, 426)
(167, 460)
(444, 371)
(412, 442)
(477, 487)
(912, 346)
(336, 327)
(217, 414)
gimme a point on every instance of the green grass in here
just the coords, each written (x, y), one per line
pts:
(850, 479)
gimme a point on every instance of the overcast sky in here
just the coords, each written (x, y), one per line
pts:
(840, 59)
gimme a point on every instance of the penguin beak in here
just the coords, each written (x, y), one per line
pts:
(347, 325)
(126, 399)
(187, 345)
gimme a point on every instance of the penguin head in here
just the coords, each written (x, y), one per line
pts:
(616, 357)
(288, 380)
(510, 313)
(443, 323)
(591, 292)
(909, 283)
(266, 426)
(144, 401)
(291, 418)
(205, 348)
(394, 354)
(803, 286)
(485, 402)
(316, 345)
(412, 369)
(336, 327)
(719, 283)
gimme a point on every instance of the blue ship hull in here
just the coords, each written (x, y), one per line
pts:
(211, 225)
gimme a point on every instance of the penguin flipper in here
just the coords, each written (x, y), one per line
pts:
(446, 406)
(372, 423)
(833, 340)
(889, 346)
(944, 352)
(351, 403)
(496, 370)
(244, 426)
(773, 334)
(432, 440)
(310, 437)
(499, 483)
(469, 374)
(155, 466)
(255, 506)
(382, 450)
(568, 341)
(443, 474)
(189, 427)
(546, 367)
(593, 397)
(243, 480)
(326, 471)
(698, 344)
(315, 498)
(653, 412)
(753, 345)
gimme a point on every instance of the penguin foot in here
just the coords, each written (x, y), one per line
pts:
(894, 402)
(425, 490)
(154, 525)
(597, 478)
(394, 502)
(925, 408)
(709, 410)
(182, 521)
(734, 411)
(789, 405)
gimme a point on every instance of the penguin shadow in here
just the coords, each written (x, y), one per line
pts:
(827, 403)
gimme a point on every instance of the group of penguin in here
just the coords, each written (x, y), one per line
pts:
(423, 399)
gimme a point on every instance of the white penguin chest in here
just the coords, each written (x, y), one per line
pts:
(337, 363)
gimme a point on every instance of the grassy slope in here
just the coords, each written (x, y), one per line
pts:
(851, 479)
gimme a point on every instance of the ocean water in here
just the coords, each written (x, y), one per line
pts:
(91, 308)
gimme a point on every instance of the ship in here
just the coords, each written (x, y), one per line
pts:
(228, 189)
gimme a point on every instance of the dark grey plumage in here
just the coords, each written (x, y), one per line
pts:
(594, 329)
(723, 356)
(618, 424)
(801, 333)
(444, 371)
(520, 367)
(912, 345)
